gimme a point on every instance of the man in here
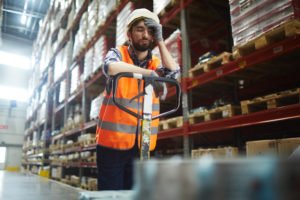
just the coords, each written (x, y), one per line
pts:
(117, 131)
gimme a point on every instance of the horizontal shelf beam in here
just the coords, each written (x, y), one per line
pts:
(262, 117)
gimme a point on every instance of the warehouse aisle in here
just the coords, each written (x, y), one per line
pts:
(18, 186)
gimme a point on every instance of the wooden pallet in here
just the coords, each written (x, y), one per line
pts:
(287, 29)
(89, 187)
(171, 123)
(92, 187)
(211, 64)
(86, 143)
(280, 99)
(214, 114)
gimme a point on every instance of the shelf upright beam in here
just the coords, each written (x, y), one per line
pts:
(54, 96)
(256, 118)
(84, 105)
(186, 62)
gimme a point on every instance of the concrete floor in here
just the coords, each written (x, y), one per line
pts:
(18, 186)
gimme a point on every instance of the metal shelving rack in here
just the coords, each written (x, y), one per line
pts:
(266, 54)
(282, 113)
(271, 52)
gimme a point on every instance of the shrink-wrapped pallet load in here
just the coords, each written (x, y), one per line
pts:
(121, 23)
(249, 18)
(88, 63)
(100, 50)
(160, 5)
(92, 19)
(81, 36)
(75, 81)
(173, 43)
(95, 106)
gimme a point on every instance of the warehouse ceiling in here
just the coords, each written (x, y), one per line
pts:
(21, 18)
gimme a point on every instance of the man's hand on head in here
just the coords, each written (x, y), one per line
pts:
(157, 29)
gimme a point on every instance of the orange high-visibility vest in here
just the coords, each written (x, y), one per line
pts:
(116, 128)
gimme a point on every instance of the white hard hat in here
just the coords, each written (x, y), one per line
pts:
(140, 13)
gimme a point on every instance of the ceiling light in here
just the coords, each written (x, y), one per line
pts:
(23, 19)
(14, 60)
(11, 93)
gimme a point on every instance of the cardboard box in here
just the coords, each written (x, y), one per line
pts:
(217, 153)
(287, 146)
(261, 148)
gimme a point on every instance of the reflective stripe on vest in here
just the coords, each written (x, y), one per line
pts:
(122, 127)
(117, 129)
(128, 103)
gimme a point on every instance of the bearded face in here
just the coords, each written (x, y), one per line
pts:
(141, 36)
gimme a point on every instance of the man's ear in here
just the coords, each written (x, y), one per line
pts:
(129, 35)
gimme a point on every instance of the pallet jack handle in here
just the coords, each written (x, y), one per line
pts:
(146, 78)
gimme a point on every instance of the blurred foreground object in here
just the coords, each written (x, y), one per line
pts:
(235, 179)
(256, 178)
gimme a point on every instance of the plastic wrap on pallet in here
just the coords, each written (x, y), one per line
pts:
(58, 67)
(46, 55)
(71, 17)
(100, 50)
(56, 172)
(78, 5)
(173, 44)
(62, 91)
(42, 113)
(67, 54)
(249, 19)
(121, 23)
(78, 118)
(95, 106)
(35, 139)
(62, 61)
(61, 34)
(43, 92)
(88, 63)
(75, 81)
(81, 36)
(159, 5)
(105, 8)
(92, 19)
(61, 10)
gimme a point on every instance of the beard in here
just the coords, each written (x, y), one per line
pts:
(141, 47)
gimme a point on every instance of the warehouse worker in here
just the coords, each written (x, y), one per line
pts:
(117, 131)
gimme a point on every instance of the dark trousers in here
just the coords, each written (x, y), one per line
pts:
(115, 168)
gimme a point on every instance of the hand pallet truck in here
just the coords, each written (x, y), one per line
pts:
(146, 116)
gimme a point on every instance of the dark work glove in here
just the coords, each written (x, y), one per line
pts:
(160, 88)
(157, 29)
